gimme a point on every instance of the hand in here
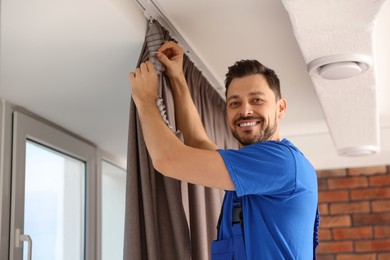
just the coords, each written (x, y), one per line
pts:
(143, 83)
(171, 55)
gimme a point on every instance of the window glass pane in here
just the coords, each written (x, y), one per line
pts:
(54, 204)
(113, 211)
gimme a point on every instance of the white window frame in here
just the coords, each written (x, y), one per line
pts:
(5, 176)
(93, 176)
(26, 127)
(103, 156)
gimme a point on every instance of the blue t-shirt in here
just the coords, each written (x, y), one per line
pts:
(278, 190)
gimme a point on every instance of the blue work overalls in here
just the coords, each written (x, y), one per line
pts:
(231, 248)
(234, 248)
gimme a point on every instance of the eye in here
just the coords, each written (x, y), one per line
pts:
(257, 100)
(234, 104)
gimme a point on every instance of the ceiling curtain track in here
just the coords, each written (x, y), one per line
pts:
(166, 219)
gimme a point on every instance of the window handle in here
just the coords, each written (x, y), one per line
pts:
(22, 238)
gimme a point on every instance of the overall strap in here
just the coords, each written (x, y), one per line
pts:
(236, 214)
(220, 218)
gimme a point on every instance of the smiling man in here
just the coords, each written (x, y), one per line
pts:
(249, 100)
(269, 209)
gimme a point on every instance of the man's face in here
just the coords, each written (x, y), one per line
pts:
(252, 110)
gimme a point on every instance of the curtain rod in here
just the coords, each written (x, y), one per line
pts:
(152, 10)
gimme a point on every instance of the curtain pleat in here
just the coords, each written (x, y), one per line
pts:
(164, 218)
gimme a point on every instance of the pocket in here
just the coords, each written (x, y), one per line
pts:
(228, 249)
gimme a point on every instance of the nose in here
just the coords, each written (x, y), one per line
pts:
(246, 109)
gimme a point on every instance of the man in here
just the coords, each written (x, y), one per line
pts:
(270, 204)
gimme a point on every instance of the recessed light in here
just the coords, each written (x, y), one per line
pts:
(340, 66)
(359, 150)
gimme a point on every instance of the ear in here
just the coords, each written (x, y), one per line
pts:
(282, 106)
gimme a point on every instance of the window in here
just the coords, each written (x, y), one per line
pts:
(54, 204)
(50, 193)
(54, 193)
(113, 210)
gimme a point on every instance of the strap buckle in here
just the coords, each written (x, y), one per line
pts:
(237, 216)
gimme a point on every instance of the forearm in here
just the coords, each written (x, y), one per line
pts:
(159, 139)
(187, 117)
(176, 160)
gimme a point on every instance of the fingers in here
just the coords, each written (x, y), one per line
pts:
(144, 68)
(171, 45)
(163, 58)
(171, 55)
(132, 77)
(171, 49)
(144, 82)
(149, 66)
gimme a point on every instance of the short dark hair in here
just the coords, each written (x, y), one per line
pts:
(244, 68)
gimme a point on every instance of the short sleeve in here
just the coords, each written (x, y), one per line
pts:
(264, 168)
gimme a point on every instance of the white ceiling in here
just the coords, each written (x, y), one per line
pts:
(68, 62)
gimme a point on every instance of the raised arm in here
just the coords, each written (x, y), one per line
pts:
(169, 156)
(187, 117)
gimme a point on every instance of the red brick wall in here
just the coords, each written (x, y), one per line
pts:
(355, 213)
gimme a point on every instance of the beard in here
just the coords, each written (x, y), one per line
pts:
(263, 134)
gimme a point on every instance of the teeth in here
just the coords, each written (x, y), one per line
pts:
(248, 124)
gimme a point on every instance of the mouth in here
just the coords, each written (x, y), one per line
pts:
(247, 124)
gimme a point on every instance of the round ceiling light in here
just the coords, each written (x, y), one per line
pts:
(340, 66)
(359, 150)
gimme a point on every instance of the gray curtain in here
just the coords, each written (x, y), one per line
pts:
(166, 219)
